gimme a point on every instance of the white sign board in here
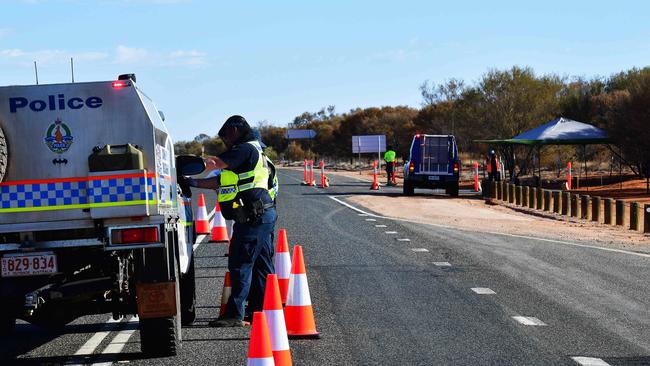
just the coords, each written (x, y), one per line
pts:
(301, 134)
(368, 144)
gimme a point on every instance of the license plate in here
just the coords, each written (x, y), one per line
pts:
(434, 177)
(15, 265)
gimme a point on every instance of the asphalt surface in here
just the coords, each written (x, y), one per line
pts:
(379, 300)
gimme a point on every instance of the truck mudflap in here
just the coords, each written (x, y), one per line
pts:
(156, 300)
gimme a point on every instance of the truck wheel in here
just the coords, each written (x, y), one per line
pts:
(3, 155)
(408, 189)
(158, 337)
(7, 325)
(188, 296)
(453, 190)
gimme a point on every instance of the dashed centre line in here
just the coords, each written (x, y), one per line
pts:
(529, 320)
(390, 232)
(371, 220)
(442, 264)
(589, 361)
(420, 250)
(381, 226)
(403, 239)
(483, 291)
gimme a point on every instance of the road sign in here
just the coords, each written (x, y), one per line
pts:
(368, 144)
(300, 134)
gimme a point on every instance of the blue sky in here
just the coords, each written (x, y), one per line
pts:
(202, 61)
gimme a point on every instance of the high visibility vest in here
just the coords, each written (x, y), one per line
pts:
(389, 156)
(232, 183)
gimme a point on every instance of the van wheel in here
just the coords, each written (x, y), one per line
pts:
(7, 325)
(158, 337)
(453, 190)
(4, 155)
(408, 189)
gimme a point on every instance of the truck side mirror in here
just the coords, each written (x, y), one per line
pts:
(190, 164)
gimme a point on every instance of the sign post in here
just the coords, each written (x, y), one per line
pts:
(369, 144)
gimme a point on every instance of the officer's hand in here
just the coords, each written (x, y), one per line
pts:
(210, 162)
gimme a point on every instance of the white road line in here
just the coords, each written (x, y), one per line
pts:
(390, 232)
(371, 220)
(529, 320)
(117, 344)
(589, 361)
(381, 226)
(403, 239)
(97, 338)
(442, 264)
(419, 250)
(483, 291)
(644, 255)
(362, 215)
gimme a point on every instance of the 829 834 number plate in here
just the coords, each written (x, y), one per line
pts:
(32, 264)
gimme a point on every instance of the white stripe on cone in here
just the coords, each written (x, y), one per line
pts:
(282, 264)
(277, 330)
(298, 293)
(268, 361)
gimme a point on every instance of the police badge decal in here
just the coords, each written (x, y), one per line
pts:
(58, 137)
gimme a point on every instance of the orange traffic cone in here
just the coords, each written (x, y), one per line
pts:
(282, 263)
(225, 294)
(259, 348)
(298, 313)
(219, 229)
(275, 321)
(202, 223)
(375, 184)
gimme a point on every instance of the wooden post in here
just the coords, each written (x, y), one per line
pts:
(518, 195)
(607, 211)
(525, 196)
(634, 216)
(595, 209)
(646, 218)
(620, 212)
(547, 200)
(540, 199)
(566, 203)
(575, 205)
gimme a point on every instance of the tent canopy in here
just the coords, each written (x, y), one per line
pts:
(560, 131)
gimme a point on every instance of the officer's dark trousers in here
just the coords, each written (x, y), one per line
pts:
(249, 262)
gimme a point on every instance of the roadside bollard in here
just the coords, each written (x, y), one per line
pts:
(518, 195)
(646, 218)
(575, 205)
(532, 200)
(477, 186)
(547, 200)
(504, 191)
(311, 173)
(595, 209)
(525, 196)
(540, 199)
(304, 173)
(511, 193)
(557, 202)
(494, 193)
(322, 174)
(620, 212)
(566, 203)
(584, 207)
(608, 204)
(634, 216)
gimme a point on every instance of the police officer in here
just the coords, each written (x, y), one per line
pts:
(244, 196)
(389, 158)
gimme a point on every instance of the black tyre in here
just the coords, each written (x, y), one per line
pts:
(7, 325)
(158, 337)
(453, 190)
(188, 295)
(4, 154)
(408, 188)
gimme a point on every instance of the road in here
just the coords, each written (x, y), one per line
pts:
(393, 292)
